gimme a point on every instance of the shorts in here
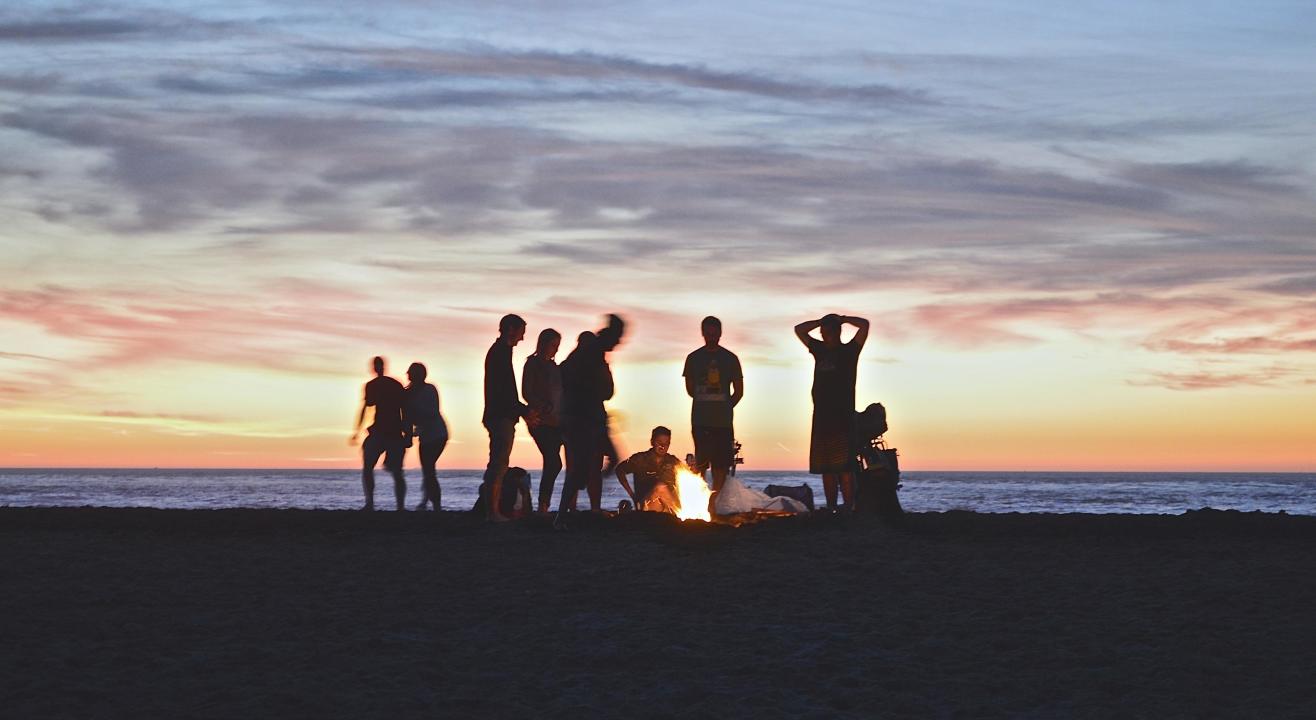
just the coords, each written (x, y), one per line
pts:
(714, 447)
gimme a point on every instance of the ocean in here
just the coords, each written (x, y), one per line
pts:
(923, 491)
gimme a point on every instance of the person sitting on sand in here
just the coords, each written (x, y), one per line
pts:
(427, 424)
(388, 435)
(654, 471)
(831, 444)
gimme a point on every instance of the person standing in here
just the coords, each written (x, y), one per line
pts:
(502, 409)
(426, 419)
(586, 385)
(716, 385)
(541, 386)
(835, 365)
(388, 435)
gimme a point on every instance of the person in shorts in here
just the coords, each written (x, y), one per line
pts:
(714, 382)
(388, 436)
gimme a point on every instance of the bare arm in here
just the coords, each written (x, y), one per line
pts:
(360, 420)
(860, 337)
(622, 469)
(737, 391)
(690, 386)
(803, 329)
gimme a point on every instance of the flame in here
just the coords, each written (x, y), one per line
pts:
(692, 493)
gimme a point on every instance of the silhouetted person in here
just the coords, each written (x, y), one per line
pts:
(713, 379)
(502, 408)
(388, 435)
(654, 473)
(586, 385)
(426, 418)
(831, 443)
(541, 386)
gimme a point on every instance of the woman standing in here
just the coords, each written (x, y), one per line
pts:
(422, 408)
(541, 386)
(835, 364)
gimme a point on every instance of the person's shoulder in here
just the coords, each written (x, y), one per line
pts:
(636, 457)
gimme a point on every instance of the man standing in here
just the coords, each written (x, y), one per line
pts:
(387, 435)
(714, 381)
(835, 365)
(502, 408)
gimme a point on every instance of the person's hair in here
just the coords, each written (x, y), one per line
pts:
(660, 430)
(710, 320)
(417, 372)
(831, 321)
(546, 336)
(378, 364)
(610, 336)
(510, 322)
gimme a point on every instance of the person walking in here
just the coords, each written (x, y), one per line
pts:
(387, 436)
(426, 419)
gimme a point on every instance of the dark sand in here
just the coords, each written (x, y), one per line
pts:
(254, 613)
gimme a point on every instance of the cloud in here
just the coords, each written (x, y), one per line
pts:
(1239, 345)
(491, 63)
(1208, 380)
(71, 30)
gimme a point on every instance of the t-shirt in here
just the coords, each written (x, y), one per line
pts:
(423, 412)
(386, 395)
(649, 469)
(713, 371)
(501, 399)
(834, 372)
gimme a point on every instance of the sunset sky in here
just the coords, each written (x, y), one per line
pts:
(1085, 235)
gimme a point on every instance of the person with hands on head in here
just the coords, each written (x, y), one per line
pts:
(835, 366)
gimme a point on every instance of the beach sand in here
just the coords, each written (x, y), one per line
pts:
(256, 613)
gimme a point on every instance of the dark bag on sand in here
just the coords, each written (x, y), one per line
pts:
(803, 493)
(877, 483)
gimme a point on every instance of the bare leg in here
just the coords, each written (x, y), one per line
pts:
(847, 489)
(719, 479)
(829, 489)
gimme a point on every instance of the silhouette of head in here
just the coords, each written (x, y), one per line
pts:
(610, 336)
(378, 364)
(417, 373)
(711, 328)
(512, 329)
(549, 341)
(661, 439)
(830, 328)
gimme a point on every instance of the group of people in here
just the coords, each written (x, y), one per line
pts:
(563, 408)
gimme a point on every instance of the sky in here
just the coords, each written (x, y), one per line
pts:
(1084, 233)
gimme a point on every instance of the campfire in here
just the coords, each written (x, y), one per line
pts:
(692, 495)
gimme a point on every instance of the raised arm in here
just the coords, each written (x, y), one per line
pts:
(803, 329)
(860, 337)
